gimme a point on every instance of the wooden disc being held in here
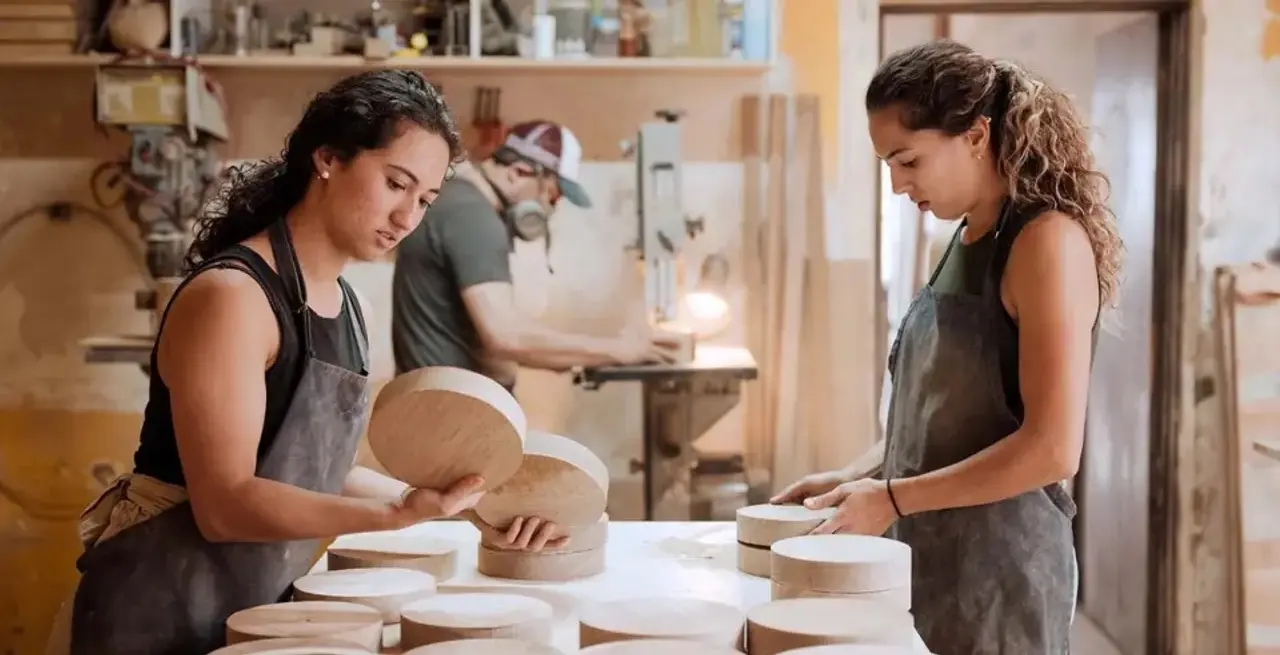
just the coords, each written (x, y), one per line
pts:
(660, 617)
(581, 538)
(663, 646)
(368, 550)
(559, 480)
(844, 563)
(350, 622)
(293, 646)
(386, 590)
(762, 525)
(782, 625)
(434, 426)
(446, 617)
(485, 647)
(542, 566)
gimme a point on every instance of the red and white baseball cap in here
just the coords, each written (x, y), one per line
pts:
(555, 148)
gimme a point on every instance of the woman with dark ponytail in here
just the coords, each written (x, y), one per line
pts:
(990, 367)
(259, 383)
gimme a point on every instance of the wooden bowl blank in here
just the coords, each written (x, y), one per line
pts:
(350, 622)
(386, 590)
(762, 525)
(782, 625)
(844, 563)
(368, 550)
(900, 597)
(293, 646)
(485, 647)
(434, 426)
(690, 619)
(542, 566)
(559, 480)
(447, 617)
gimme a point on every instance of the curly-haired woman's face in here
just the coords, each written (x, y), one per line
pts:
(380, 196)
(940, 173)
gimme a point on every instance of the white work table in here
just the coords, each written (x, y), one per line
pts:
(644, 558)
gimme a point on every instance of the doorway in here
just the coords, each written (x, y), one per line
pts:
(1131, 84)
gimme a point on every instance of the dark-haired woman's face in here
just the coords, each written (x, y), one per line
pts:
(380, 196)
(940, 173)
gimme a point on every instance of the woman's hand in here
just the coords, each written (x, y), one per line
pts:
(417, 505)
(863, 507)
(808, 487)
(529, 533)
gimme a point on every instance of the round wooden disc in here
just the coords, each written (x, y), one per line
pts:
(544, 567)
(762, 525)
(656, 618)
(559, 480)
(368, 550)
(782, 625)
(349, 622)
(581, 538)
(852, 649)
(485, 647)
(664, 646)
(900, 597)
(384, 589)
(293, 646)
(433, 426)
(841, 562)
(754, 560)
(475, 616)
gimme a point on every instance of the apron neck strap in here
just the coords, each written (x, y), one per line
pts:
(290, 272)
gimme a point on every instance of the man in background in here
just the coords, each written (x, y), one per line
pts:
(452, 298)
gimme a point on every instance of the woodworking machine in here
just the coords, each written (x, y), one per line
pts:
(174, 117)
(681, 401)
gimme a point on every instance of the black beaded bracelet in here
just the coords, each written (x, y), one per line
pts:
(889, 487)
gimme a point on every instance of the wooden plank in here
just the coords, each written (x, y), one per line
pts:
(1224, 332)
(757, 447)
(774, 235)
(1026, 6)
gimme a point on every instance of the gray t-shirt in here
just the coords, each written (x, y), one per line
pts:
(463, 241)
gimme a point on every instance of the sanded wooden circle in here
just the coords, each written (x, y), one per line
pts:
(841, 562)
(781, 625)
(663, 646)
(660, 618)
(852, 649)
(485, 647)
(434, 426)
(754, 560)
(351, 622)
(559, 480)
(900, 597)
(475, 616)
(384, 589)
(762, 525)
(293, 646)
(584, 537)
(369, 550)
(541, 566)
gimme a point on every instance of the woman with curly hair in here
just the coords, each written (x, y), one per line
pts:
(990, 367)
(259, 388)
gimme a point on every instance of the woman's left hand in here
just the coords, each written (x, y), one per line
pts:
(862, 507)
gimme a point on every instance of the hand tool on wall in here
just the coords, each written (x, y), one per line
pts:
(487, 121)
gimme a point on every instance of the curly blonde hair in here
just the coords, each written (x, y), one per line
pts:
(1040, 143)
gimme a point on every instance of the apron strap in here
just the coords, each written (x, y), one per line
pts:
(290, 273)
(355, 316)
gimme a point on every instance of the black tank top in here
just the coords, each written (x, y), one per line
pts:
(334, 339)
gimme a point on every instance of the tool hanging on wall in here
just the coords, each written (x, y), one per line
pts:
(487, 121)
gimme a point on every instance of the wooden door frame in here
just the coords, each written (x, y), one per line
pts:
(1174, 315)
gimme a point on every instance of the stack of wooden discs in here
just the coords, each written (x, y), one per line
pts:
(449, 617)
(368, 550)
(561, 481)
(485, 647)
(384, 589)
(842, 566)
(293, 646)
(687, 619)
(338, 621)
(783, 625)
(434, 426)
(760, 526)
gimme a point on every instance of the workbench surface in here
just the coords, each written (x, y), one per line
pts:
(695, 559)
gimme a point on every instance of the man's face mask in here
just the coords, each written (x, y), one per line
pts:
(528, 218)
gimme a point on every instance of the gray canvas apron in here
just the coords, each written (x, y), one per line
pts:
(159, 587)
(994, 579)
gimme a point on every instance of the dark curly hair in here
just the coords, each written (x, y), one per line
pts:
(362, 112)
(1039, 142)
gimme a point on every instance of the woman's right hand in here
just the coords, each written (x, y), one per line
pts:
(811, 485)
(417, 505)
